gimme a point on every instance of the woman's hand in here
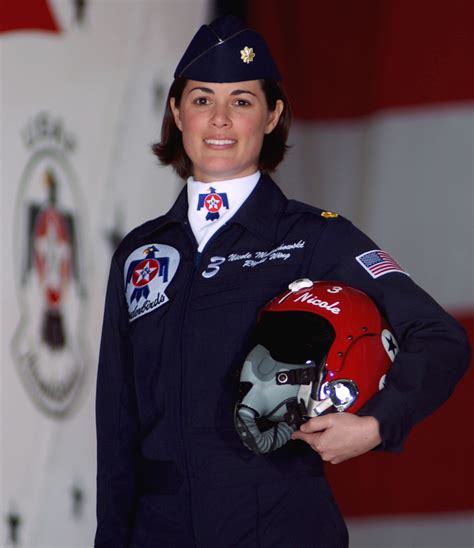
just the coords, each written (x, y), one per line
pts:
(340, 436)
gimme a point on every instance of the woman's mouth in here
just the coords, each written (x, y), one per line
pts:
(220, 142)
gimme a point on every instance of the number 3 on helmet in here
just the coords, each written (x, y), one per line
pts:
(319, 347)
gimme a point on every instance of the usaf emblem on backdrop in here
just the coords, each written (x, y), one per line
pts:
(213, 202)
(48, 345)
(148, 271)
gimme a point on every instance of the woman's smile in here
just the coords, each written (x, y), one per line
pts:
(218, 143)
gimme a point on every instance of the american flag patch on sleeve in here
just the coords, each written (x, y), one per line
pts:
(378, 262)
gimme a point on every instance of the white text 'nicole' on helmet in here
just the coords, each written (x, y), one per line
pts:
(321, 346)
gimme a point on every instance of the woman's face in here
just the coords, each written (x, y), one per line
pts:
(223, 126)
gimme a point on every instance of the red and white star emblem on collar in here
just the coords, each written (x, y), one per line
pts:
(213, 203)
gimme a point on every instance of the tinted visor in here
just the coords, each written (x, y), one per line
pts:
(295, 337)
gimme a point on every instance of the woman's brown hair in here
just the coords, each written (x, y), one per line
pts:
(170, 150)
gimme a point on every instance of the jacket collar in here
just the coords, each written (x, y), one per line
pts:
(259, 213)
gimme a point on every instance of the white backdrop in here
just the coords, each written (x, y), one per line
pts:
(85, 102)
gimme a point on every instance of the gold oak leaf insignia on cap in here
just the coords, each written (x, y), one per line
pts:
(329, 215)
(247, 54)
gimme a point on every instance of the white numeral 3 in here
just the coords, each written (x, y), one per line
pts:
(213, 267)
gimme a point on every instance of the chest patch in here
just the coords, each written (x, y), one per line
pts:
(253, 259)
(147, 272)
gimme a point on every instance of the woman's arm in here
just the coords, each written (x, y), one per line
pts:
(117, 422)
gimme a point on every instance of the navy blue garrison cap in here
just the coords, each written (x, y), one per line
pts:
(227, 51)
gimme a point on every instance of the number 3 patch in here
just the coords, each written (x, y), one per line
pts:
(213, 267)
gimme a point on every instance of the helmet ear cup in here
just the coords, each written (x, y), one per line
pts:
(258, 384)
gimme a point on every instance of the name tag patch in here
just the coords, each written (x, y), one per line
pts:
(252, 259)
(148, 271)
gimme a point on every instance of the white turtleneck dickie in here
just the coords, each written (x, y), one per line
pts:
(211, 205)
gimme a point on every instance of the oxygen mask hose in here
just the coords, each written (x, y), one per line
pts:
(259, 442)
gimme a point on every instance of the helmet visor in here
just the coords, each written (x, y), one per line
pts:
(295, 337)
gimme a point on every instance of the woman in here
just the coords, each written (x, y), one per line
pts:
(183, 295)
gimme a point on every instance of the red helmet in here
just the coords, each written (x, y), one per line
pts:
(319, 346)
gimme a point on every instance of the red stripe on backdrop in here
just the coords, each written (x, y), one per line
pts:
(433, 474)
(18, 15)
(352, 58)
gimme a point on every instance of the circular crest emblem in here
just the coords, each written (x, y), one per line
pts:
(48, 345)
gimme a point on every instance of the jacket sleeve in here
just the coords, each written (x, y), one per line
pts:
(116, 421)
(434, 352)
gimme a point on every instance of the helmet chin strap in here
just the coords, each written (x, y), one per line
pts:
(305, 406)
(314, 408)
(255, 440)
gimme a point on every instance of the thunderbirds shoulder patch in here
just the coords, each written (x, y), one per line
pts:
(148, 271)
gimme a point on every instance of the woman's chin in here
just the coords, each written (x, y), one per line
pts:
(222, 173)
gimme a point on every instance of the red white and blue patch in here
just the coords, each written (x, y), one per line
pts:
(378, 263)
(147, 272)
(213, 203)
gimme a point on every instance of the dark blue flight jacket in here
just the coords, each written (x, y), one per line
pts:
(176, 327)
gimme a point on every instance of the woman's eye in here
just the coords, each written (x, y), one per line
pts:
(201, 101)
(242, 103)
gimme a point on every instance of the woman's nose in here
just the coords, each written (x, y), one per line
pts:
(220, 117)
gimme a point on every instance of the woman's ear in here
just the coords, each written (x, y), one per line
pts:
(274, 116)
(175, 112)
